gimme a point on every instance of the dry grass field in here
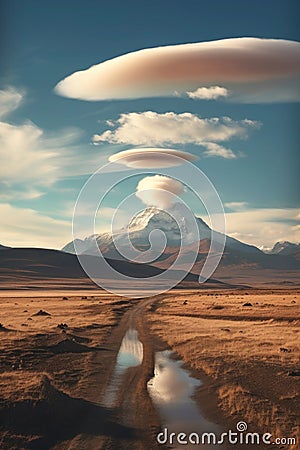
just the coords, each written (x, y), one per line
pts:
(51, 354)
(58, 350)
(247, 343)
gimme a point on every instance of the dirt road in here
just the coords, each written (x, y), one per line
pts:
(133, 408)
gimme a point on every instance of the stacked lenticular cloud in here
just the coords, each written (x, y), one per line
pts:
(247, 70)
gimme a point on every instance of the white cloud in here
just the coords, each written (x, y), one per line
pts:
(296, 230)
(31, 159)
(208, 93)
(151, 128)
(151, 157)
(213, 149)
(155, 190)
(10, 99)
(20, 194)
(236, 206)
(24, 227)
(252, 69)
(262, 227)
(24, 154)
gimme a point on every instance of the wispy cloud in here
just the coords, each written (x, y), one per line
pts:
(18, 193)
(10, 99)
(213, 149)
(24, 227)
(236, 206)
(262, 226)
(253, 70)
(31, 159)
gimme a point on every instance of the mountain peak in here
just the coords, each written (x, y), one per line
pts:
(285, 248)
(141, 220)
(158, 218)
(174, 224)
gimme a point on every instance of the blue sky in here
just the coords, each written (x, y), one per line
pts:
(46, 41)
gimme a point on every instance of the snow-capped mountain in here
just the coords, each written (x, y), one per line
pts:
(285, 248)
(240, 264)
(145, 222)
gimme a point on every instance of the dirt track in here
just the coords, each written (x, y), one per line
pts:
(134, 408)
(133, 399)
(63, 374)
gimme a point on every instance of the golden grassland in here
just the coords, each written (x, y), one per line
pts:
(57, 355)
(53, 336)
(250, 352)
(57, 350)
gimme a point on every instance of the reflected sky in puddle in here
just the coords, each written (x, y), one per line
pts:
(171, 390)
(131, 351)
(130, 355)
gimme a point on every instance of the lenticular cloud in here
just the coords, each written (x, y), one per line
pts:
(149, 157)
(157, 190)
(247, 69)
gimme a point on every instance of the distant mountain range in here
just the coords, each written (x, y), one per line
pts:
(241, 264)
(285, 248)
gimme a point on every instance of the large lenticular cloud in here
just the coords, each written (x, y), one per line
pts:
(243, 69)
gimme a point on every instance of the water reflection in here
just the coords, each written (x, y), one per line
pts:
(130, 355)
(131, 350)
(171, 390)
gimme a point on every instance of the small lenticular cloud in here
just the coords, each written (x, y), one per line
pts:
(156, 190)
(151, 157)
